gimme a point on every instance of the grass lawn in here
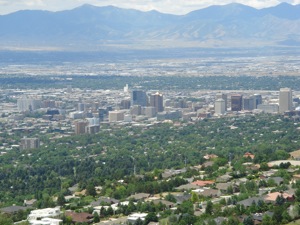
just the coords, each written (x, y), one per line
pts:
(297, 222)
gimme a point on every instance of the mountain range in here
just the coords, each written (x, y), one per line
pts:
(90, 27)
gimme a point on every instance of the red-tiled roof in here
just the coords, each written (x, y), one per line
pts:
(272, 196)
(248, 154)
(80, 217)
(203, 183)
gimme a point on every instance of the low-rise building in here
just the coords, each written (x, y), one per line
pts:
(135, 216)
(39, 214)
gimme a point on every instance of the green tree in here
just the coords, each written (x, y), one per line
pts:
(139, 222)
(209, 208)
(90, 190)
(277, 216)
(264, 166)
(229, 190)
(232, 221)
(110, 211)
(187, 219)
(170, 197)
(279, 200)
(5, 220)
(248, 221)
(151, 217)
(96, 218)
(61, 200)
(194, 197)
(267, 220)
(297, 194)
(186, 207)
(286, 217)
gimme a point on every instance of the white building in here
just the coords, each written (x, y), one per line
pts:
(224, 97)
(285, 100)
(76, 115)
(128, 118)
(40, 214)
(28, 104)
(46, 221)
(115, 116)
(268, 108)
(126, 88)
(135, 216)
(220, 107)
(93, 121)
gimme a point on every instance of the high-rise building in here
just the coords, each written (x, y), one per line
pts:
(257, 100)
(224, 97)
(102, 114)
(80, 107)
(156, 101)
(220, 106)
(248, 103)
(29, 143)
(236, 102)
(92, 129)
(80, 127)
(150, 111)
(139, 97)
(69, 88)
(49, 104)
(125, 104)
(285, 100)
(136, 110)
(28, 104)
(126, 88)
(115, 116)
(93, 121)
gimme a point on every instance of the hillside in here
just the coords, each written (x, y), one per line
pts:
(91, 27)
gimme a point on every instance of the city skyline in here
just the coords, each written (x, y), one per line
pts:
(165, 6)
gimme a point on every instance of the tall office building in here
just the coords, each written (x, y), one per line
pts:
(69, 88)
(125, 104)
(115, 116)
(80, 107)
(126, 88)
(49, 104)
(220, 106)
(248, 103)
(257, 100)
(28, 104)
(236, 102)
(285, 100)
(139, 97)
(136, 110)
(93, 121)
(156, 101)
(80, 127)
(224, 97)
(29, 143)
(102, 114)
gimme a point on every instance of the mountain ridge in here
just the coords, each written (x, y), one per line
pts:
(92, 26)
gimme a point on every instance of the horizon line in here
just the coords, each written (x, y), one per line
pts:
(112, 5)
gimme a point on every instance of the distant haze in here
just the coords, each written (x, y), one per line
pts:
(90, 27)
(178, 7)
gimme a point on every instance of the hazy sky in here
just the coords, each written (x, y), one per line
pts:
(167, 6)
